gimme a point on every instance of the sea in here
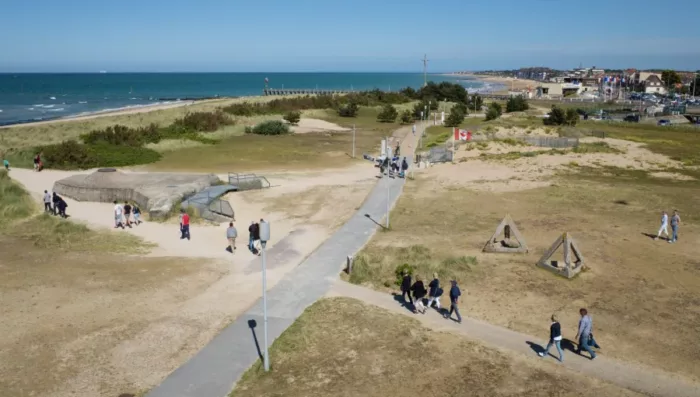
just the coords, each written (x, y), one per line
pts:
(30, 97)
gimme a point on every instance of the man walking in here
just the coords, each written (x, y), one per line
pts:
(434, 292)
(406, 287)
(231, 234)
(251, 235)
(414, 130)
(675, 223)
(585, 334)
(554, 339)
(127, 213)
(118, 212)
(185, 228)
(455, 293)
(664, 226)
(47, 202)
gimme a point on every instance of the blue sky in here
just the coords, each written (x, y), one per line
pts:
(350, 35)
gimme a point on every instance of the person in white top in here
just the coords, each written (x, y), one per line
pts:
(48, 198)
(118, 212)
(664, 226)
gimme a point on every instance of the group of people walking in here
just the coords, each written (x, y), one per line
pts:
(55, 204)
(254, 241)
(123, 215)
(416, 293)
(395, 166)
(584, 336)
(675, 224)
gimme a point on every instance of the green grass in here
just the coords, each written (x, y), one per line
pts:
(15, 202)
(18, 220)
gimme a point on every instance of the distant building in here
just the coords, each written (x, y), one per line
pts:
(654, 85)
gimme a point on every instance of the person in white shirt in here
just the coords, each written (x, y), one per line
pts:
(664, 226)
(118, 212)
(48, 198)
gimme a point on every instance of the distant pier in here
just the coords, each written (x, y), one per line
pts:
(303, 91)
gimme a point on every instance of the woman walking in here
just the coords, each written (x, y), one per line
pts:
(406, 287)
(434, 292)
(418, 294)
(137, 214)
(554, 338)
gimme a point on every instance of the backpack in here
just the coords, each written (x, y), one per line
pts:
(439, 292)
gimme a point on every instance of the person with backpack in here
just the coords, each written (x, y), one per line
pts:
(231, 234)
(418, 294)
(127, 214)
(455, 293)
(434, 292)
(585, 334)
(137, 214)
(554, 339)
(406, 287)
(404, 168)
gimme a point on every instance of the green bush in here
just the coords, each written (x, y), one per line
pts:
(72, 155)
(494, 111)
(516, 104)
(399, 271)
(455, 118)
(121, 135)
(557, 116)
(406, 117)
(293, 117)
(204, 121)
(270, 127)
(388, 114)
(348, 110)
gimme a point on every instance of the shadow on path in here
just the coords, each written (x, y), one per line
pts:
(252, 324)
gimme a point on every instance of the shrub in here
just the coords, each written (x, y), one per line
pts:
(270, 127)
(494, 111)
(388, 114)
(121, 135)
(516, 104)
(348, 110)
(406, 117)
(399, 271)
(455, 118)
(293, 117)
(462, 107)
(204, 121)
(15, 202)
(557, 116)
(476, 102)
(72, 155)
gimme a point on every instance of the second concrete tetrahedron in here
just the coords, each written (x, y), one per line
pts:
(570, 267)
(512, 240)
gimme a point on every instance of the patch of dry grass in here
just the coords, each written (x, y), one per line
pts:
(627, 268)
(342, 347)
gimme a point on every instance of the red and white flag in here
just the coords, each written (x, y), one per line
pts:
(462, 135)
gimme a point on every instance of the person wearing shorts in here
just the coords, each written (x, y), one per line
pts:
(137, 214)
(118, 211)
(127, 213)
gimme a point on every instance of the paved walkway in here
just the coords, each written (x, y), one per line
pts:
(631, 376)
(214, 370)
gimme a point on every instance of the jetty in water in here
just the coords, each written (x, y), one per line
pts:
(302, 91)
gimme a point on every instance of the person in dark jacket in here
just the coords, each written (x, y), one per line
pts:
(418, 294)
(55, 199)
(434, 292)
(404, 168)
(251, 235)
(455, 293)
(406, 287)
(61, 204)
(554, 338)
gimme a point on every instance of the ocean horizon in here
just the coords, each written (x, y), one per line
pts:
(31, 97)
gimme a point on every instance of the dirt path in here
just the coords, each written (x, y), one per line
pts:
(631, 376)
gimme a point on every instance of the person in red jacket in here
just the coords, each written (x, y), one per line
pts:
(185, 226)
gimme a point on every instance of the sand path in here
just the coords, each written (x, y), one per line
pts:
(628, 375)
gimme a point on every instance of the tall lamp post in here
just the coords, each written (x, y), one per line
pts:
(264, 238)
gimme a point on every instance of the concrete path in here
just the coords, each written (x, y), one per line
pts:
(631, 376)
(219, 365)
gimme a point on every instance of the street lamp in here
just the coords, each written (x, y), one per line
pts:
(264, 238)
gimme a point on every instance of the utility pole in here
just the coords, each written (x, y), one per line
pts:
(353, 141)
(425, 70)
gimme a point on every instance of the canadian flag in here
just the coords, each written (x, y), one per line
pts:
(462, 135)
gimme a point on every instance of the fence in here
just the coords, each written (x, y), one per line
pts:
(247, 181)
(209, 205)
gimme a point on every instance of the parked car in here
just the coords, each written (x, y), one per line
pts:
(664, 122)
(632, 118)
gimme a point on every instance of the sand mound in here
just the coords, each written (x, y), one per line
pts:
(672, 175)
(316, 125)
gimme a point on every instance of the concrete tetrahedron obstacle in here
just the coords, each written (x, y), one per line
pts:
(512, 240)
(570, 267)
